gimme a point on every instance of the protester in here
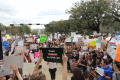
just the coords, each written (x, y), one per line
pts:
(77, 61)
(107, 70)
(52, 69)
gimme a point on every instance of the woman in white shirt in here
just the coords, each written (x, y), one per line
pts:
(52, 69)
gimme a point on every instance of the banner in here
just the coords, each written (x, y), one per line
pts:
(52, 54)
(28, 68)
(33, 46)
(111, 52)
(9, 60)
(43, 38)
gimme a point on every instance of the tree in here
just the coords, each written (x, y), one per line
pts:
(34, 32)
(91, 11)
(25, 29)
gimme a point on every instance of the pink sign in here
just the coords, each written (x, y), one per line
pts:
(36, 54)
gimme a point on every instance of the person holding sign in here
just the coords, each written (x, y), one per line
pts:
(107, 70)
(38, 75)
(116, 67)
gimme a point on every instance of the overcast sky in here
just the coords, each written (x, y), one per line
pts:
(33, 11)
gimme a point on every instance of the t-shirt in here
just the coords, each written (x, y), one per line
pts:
(107, 71)
(52, 65)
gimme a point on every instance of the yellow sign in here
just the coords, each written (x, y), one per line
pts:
(92, 43)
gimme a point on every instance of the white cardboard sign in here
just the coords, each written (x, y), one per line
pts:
(29, 40)
(33, 46)
(100, 71)
(73, 34)
(28, 68)
(111, 52)
(9, 60)
(21, 43)
(68, 40)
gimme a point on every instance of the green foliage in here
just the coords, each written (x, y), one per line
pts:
(34, 32)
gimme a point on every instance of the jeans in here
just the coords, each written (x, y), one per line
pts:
(52, 73)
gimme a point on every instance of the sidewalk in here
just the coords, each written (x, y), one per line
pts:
(45, 70)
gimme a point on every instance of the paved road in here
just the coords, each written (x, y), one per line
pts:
(45, 70)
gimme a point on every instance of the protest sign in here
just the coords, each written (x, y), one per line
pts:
(4, 38)
(38, 40)
(33, 46)
(93, 42)
(43, 38)
(9, 60)
(68, 40)
(73, 34)
(5, 72)
(55, 36)
(21, 43)
(84, 47)
(98, 45)
(8, 37)
(98, 41)
(16, 41)
(100, 71)
(32, 57)
(29, 40)
(80, 41)
(36, 54)
(59, 36)
(19, 49)
(12, 47)
(75, 39)
(5, 44)
(28, 68)
(17, 37)
(32, 37)
(52, 54)
(118, 53)
(111, 52)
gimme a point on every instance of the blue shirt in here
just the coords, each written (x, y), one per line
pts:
(107, 72)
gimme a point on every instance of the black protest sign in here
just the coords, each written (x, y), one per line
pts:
(1, 52)
(52, 54)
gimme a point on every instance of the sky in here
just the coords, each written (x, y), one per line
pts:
(34, 11)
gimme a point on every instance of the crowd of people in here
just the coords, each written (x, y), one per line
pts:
(81, 62)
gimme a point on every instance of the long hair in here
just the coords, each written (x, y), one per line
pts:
(37, 76)
(77, 74)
